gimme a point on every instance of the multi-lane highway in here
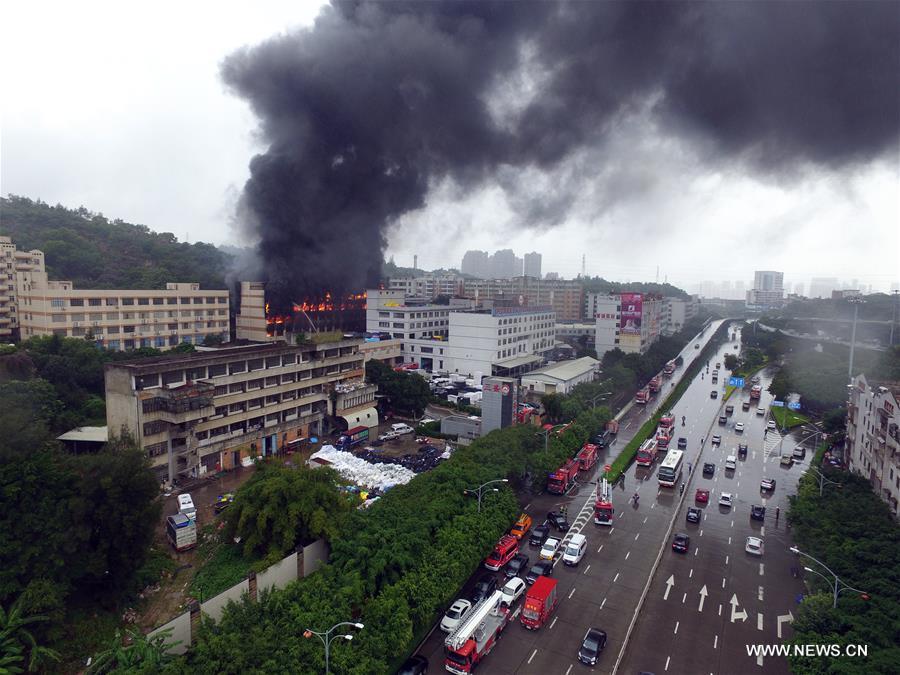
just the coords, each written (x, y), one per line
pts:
(631, 581)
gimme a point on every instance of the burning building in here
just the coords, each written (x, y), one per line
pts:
(260, 319)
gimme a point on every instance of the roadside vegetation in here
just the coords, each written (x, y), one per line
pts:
(786, 418)
(851, 530)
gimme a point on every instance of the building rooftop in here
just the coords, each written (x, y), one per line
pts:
(90, 434)
(516, 361)
(566, 370)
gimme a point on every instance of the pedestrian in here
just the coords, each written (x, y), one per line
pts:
(690, 468)
(777, 513)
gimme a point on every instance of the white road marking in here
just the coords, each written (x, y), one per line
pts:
(701, 533)
(586, 569)
(669, 583)
(676, 628)
(720, 609)
(616, 578)
(759, 595)
(782, 618)
(762, 531)
(742, 615)
(600, 549)
(703, 594)
(532, 655)
(729, 541)
(602, 603)
(610, 531)
(684, 599)
(759, 621)
(761, 568)
(621, 514)
(716, 642)
(696, 550)
(571, 594)
(668, 658)
(691, 574)
(645, 520)
(569, 670)
(652, 506)
(528, 506)
(627, 554)
(723, 582)
(637, 535)
(732, 523)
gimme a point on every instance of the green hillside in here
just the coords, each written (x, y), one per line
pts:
(95, 252)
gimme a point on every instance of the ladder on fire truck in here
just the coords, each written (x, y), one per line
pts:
(475, 625)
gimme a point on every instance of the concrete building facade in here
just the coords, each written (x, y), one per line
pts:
(628, 321)
(532, 266)
(873, 437)
(676, 312)
(499, 404)
(216, 409)
(561, 378)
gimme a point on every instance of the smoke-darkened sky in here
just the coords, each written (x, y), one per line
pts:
(710, 139)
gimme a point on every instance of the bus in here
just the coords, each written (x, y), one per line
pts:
(670, 469)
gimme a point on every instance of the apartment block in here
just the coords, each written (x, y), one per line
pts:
(565, 297)
(676, 312)
(112, 319)
(627, 321)
(873, 439)
(428, 286)
(11, 262)
(216, 409)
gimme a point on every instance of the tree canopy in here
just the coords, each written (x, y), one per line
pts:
(406, 392)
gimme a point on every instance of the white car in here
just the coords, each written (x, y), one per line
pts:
(731, 462)
(771, 424)
(725, 499)
(455, 614)
(739, 427)
(754, 546)
(760, 412)
(551, 546)
(512, 591)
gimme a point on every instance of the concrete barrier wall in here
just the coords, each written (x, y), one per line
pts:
(278, 575)
(181, 632)
(214, 606)
(314, 556)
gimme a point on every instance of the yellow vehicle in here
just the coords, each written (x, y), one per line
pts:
(523, 524)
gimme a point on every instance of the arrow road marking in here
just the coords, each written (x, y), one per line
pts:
(782, 618)
(703, 594)
(669, 583)
(742, 615)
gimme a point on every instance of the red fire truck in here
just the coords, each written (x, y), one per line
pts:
(587, 456)
(642, 396)
(755, 391)
(603, 508)
(646, 454)
(669, 368)
(666, 430)
(476, 635)
(560, 480)
(540, 601)
(654, 384)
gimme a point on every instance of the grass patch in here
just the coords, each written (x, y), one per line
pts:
(786, 418)
(221, 566)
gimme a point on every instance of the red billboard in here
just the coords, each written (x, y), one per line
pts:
(632, 312)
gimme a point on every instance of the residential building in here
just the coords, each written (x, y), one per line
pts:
(501, 341)
(565, 297)
(627, 321)
(118, 319)
(499, 404)
(422, 329)
(577, 333)
(873, 439)
(561, 378)
(845, 294)
(217, 409)
(13, 261)
(767, 291)
(477, 264)
(676, 312)
(428, 286)
(532, 267)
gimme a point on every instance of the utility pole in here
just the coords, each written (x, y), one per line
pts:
(856, 303)
(894, 319)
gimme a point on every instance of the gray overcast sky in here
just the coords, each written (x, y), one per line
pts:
(124, 111)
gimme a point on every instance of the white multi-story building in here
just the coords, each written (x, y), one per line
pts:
(112, 319)
(767, 291)
(873, 437)
(428, 286)
(421, 329)
(503, 341)
(627, 321)
(676, 312)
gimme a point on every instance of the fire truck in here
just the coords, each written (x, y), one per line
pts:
(540, 601)
(587, 456)
(476, 635)
(669, 368)
(646, 454)
(603, 508)
(666, 430)
(755, 391)
(642, 396)
(560, 480)
(654, 384)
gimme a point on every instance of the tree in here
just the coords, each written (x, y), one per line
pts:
(731, 362)
(18, 646)
(141, 654)
(553, 406)
(408, 392)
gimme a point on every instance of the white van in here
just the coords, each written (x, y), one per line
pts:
(186, 506)
(575, 549)
(731, 462)
(401, 429)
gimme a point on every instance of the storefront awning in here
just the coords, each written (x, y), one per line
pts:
(367, 417)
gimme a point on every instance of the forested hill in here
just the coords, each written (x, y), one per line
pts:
(94, 252)
(601, 285)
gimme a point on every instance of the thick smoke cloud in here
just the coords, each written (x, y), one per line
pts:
(375, 104)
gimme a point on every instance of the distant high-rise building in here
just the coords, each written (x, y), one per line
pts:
(821, 287)
(768, 289)
(798, 288)
(552, 276)
(476, 264)
(503, 265)
(533, 265)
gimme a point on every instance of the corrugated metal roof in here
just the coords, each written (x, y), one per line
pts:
(94, 434)
(567, 370)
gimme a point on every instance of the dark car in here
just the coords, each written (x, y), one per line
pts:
(601, 440)
(486, 585)
(543, 568)
(693, 514)
(681, 543)
(767, 484)
(558, 521)
(758, 512)
(593, 643)
(517, 565)
(745, 406)
(538, 535)
(682, 443)
(742, 450)
(714, 394)
(716, 439)
(723, 420)
(414, 665)
(709, 469)
(729, 409)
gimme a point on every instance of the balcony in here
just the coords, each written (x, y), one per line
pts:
(187, 402)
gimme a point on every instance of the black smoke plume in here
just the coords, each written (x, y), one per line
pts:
(377, 102)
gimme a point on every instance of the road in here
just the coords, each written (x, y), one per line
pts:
(702, 608)
(605, 588)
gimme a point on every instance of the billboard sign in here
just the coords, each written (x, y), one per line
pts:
(794, 405)
(632, 313)
(736, 381)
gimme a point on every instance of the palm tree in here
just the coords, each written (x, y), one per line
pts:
(144, 652)
(18, 644)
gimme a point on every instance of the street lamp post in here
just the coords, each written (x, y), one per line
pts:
(327, 637)
(837, 586)
(823, 480)
(598, 397)
(856, 303)
(480, 489)
(546, 434)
